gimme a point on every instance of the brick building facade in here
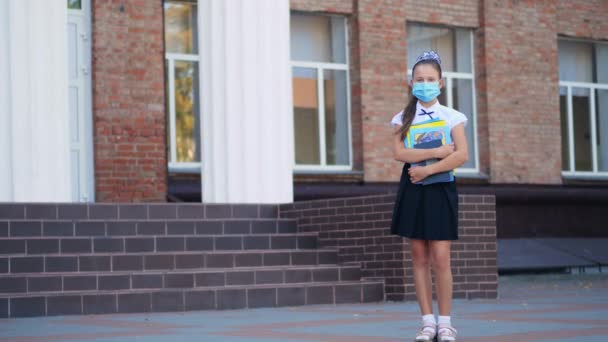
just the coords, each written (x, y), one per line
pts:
(517, 117)
(529, 75)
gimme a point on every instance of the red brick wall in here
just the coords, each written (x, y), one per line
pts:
(516, 95)
(359, 228)
(325, 6)
(453, 13)
(583, 19)
(383, 71)
(522, 91)
(129, 101)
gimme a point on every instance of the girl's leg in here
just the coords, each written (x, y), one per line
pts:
(420, 252)
(440, 258)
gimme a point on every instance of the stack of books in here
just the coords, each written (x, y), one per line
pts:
(430, 134)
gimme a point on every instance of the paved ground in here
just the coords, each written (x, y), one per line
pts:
(516, 255)
(530, 308)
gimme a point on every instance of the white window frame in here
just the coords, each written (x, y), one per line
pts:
(448, 77)
(320, 67)
(174, 165)
(592, 87)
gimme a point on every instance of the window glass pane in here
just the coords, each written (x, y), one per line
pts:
(336, 117)
(187, 117)
(181, 27)
(168, 110)
(74, 4)
(601, 63)
(453, 46)
(464, 60)
(318, 38)
(462, 97)
(306, 117)
(575, 61)
(563, 110)
(582, 129)
(421, 38)
(601, 114)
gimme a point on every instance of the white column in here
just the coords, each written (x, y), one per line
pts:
(246, 97)
(34, 126)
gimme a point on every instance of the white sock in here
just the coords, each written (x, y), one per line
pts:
(445, 320)
(429, 320)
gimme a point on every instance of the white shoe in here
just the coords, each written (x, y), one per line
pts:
(428, 332)
(446, 333)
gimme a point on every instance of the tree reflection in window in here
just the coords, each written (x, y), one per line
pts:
(186, 112)
(74, 4)
(181, 44)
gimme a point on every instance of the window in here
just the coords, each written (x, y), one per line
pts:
(455, 46)
(74, 4)
(320, 92)
(182, 75)
(583, 93)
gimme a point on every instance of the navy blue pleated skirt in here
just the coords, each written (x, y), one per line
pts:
(425, 212)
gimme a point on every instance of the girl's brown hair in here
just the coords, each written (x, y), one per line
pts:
(410, 109)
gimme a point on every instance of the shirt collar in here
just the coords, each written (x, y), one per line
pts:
(434, 108)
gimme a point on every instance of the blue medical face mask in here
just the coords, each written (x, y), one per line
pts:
(426, 91)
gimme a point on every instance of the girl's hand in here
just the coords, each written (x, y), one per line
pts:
(444, 151)
(418, 173)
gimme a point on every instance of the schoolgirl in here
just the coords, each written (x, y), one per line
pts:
(428, 214)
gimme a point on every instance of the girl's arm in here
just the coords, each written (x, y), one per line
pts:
(410, 155)
(458, 157)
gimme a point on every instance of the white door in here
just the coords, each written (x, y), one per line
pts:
(81, 115)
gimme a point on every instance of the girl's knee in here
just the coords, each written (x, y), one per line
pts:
(421, 261)
(441, 263)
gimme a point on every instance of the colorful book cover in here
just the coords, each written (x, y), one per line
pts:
(445, 176)
(430, 134)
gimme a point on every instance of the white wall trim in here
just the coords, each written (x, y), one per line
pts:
(33, 90)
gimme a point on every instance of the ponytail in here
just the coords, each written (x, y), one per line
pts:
(408, 116)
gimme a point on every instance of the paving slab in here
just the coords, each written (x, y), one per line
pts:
(593, 249)
(538, 254)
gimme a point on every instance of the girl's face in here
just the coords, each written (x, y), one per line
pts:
(426, 73)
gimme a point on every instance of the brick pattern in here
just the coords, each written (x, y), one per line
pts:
(328, 6)
(129, 101)
(453, 13)
(583, 19)
(90, 282)
(360, 228)
(382, 73)
(521, 52)
(61, 259)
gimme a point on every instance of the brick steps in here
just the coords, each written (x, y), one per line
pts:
(109, 258)
(127, 244)
(166, 260)
(102, 281)
(116, 227)
(137, 211)
(225, 297)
